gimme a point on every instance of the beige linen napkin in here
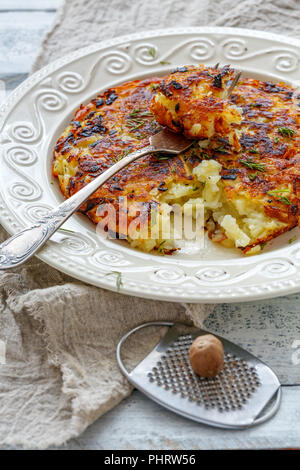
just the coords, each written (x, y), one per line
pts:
(59, 334)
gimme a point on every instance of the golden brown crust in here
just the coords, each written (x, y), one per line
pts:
(103, 131)
(193, 100)
(119, 121)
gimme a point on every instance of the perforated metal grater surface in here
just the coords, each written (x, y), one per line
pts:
(236, 398)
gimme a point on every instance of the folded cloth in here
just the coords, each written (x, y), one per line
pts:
(59, 335)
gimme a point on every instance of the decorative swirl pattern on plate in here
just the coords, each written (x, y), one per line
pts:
(202, 49)
(197, 49)
(234, 49)
(16, 156)
(109, 258)
(21, 155)
(168, 275)
(212, 274)
(285, 60)
(25, 190)
(34, 212)
(277, 268)
(117, 62)
(70, 82)
(76, 244)
(24, 132)
(50, 100)
(142, 54)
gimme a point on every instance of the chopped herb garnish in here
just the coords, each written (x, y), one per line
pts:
(285, 200)
(276, 140)
(164, 62)
(278, 191)
(121, 155)
(253, 150)
(152, 52)
(252, 176)
(253, 165)
(139, 112)
(204, 155)
(155, 86)
(66, 230)
(286, 131)
(160, 248)
(138, 118)
(118, 275)
(163, 156)
(262, 245)
(141, 136)
(291, 240)
(221, 149)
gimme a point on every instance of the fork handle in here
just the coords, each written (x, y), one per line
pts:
(21, 246)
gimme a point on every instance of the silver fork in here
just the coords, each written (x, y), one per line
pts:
(21, 246)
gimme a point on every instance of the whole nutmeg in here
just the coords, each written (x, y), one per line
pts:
(207, 356)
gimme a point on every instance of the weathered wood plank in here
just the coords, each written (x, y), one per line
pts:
(20, 38)
(269, 329)
(9, 82)
(9, 5)
(138, 423)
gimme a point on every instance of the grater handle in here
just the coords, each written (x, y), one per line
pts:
(126, 336)
(272, 410)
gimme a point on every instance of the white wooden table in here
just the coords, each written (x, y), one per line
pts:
(271, 329)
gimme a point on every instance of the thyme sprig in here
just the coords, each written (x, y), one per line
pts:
(160, 248)
(118, 275)
(222, 149)
(138, 118)
(152, 52)
(121, 155)
(286, 131)
(253, 165)
(66, 230)
(277, 192)
(253, 176)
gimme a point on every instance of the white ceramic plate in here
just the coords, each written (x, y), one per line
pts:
(34, 115)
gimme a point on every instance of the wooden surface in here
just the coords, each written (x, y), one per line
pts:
(268, 328)
(138, 423)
